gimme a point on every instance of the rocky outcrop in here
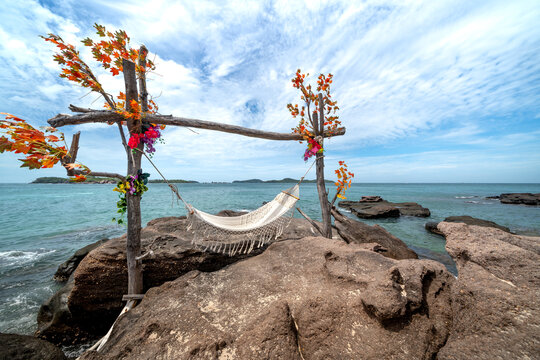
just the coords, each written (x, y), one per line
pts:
(313, 298)
(357, 232)
(65, 270)
(469, 220)
(92, 299)
(496, 298)
(520, 198)
(24, 347)
(373, 207)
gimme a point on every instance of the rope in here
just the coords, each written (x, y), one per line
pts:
(302, 178)
(173, 188)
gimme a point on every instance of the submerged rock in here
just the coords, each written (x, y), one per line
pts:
(469, 220)
(357, 232)
(373, 207)
(24, 347)
(313, 298)
(520, 198)
(92, 299)
(496, 298)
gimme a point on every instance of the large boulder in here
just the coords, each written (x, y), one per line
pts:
(357, 232)
(313, 298)
(24, 347)
(65, 270)
(373, 207)
(520, 198)
(88, 304)
(469, 220)
(496, 298)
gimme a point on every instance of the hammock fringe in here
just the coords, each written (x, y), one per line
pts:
(242, 234)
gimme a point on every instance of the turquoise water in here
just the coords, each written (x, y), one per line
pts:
(43, 224)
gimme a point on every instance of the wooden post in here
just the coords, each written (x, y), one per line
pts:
(133, 243)
(321, 186)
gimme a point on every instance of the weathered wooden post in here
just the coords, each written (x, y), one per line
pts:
(133, 245)
(318, 126)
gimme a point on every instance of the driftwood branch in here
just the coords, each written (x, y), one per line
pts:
(334, 199)
(311, 221)
(71, 157)
(143, 51)
(109, 116)
(98, 174)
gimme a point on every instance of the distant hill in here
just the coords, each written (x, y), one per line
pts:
(99, 180)
(248, 181)
(60, 180)
(286, 180)
(177, 181)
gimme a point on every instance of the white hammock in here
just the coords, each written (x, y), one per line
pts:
(242, 234)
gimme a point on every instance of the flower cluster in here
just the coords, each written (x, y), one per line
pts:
(313, 148)
(150, 133)
(134, 185)
(344, 179)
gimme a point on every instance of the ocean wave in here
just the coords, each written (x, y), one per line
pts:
(472, 202)
(18, 257)
(465, 197)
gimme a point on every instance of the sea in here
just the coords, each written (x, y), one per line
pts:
(42, 225)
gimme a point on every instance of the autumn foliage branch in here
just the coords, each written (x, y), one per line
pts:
(110, 51)
(41, 148)
(307, 123)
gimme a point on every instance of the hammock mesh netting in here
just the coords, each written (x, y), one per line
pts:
(242, 234)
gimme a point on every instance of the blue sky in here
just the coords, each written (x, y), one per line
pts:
(429, 91)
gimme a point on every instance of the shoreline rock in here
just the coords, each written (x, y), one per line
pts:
(25, 347)
(92, 298)
(432, 226)
(374, 207)
(357, 232)
(312, 298)
(496, 307)
(520, 198)
(65, 270)
(317, 298)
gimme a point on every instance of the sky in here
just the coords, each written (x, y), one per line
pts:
(429, 91)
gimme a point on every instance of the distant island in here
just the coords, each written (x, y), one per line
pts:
(177, 181)
(99, 180)
(104, 180)
(61, 180)
(286, 180)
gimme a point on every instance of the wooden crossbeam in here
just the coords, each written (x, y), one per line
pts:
(132, 297)
(105, 116)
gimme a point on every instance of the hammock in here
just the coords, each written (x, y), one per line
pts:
(240, 234)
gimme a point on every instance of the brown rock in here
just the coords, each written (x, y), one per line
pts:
(370, 199)
(65, 270)
(313, 298)
(24, 347)
(496, 299)
(520, 198)
(373, 207)
(89, 303)
(431, 226)
(469, 220)
(357, 232)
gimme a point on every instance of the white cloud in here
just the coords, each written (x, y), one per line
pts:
(417, 72)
